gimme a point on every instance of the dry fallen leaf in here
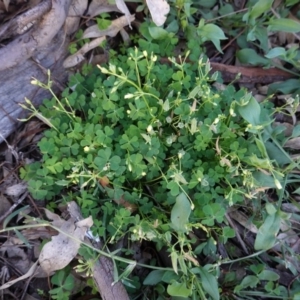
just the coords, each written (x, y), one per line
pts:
(123, 8)
(30, 272)
(293, 143)
(112, 30)
(76, 10)
(97, 7)
(63, 247)
(5, 205)
(78, 57)
(243, 220)
(6, 4)
(16, 190)
(159, 10)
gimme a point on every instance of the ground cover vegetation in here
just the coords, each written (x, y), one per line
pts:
(167, 159)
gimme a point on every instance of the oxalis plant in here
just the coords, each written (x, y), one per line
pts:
(155, 152)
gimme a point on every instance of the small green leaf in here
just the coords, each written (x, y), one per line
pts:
(207, 4)
(275, 52)
(248, 281)
(263, 179)
(177, 75)
(180, 213)
(261, 147)
(287, 87)
(209, 283)
(228, 233)
(271, 209)
(182, 265)
(174, 260)
(178, 289)
(213, 33)
(251, 112)
(268, 275)
(169, 276)
(35, 188)
(249, 56)
(258, 9)
(69, 283)
(125, 273)
(277, 154)
(174, 188)
(284, 24)
(266, 236)
(154, 277)
(158, 33)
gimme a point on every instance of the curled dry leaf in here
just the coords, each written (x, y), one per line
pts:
(243, 220)
(76, 10)
(6, 4)
(123, 8)
(16, 190)
(293, 143)
(288, 127)
(30, 272)
(78, 57)
(5, 205)
(112, 30)
(60, 251)
(159, 10)
(97, 7)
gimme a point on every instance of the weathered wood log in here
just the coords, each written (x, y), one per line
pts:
(103, 268)
(41, 45)
(15, 85)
